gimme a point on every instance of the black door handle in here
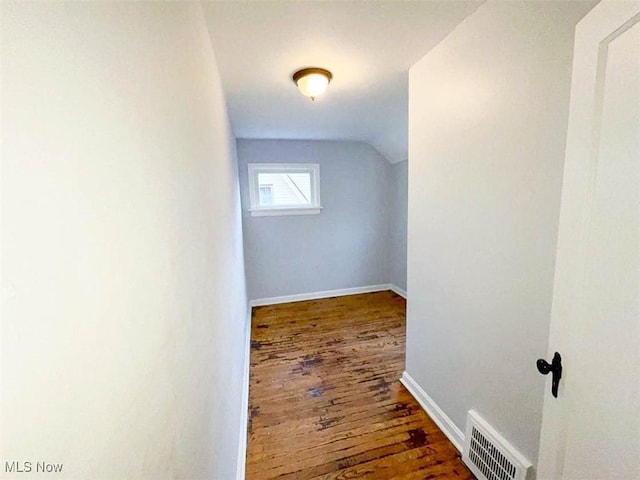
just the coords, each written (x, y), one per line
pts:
(555, 367)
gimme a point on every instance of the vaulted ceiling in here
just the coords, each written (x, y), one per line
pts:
(368, 45)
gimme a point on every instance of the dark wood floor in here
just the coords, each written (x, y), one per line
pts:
(325, 401)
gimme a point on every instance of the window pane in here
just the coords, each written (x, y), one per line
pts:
(285, 188)
(266, 194)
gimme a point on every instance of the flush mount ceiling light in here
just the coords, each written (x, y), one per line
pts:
(312, 82)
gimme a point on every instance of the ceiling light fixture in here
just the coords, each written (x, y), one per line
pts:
(312, 82)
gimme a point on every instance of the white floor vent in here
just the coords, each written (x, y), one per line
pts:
(489, 455)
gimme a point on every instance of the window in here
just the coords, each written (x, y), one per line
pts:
(284, 189)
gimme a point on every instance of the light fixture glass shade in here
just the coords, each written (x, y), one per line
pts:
(312, 82)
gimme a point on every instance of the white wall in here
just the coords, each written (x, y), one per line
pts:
(487, 124)
(398, 185)
(345, 246)
(123, 289)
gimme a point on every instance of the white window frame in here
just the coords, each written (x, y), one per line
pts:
(254, 189)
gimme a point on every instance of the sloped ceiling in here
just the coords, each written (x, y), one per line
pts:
(368, 45)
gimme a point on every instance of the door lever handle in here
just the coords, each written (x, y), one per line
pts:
(555, 367)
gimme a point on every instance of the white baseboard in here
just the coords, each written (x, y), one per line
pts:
(244, 412)
(398, 290)
(440, 418)
(315, 295)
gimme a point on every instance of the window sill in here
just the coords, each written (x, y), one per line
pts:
(272, 212)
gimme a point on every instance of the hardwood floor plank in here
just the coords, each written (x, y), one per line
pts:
(325, 402)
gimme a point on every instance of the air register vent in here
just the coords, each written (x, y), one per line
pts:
(489, 455)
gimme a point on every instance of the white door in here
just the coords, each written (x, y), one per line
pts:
(592, 430)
